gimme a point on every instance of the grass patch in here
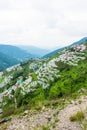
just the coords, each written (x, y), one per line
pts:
(53, 125)
(57, 120)
(84, 124)
(77, 117)
(45, 128)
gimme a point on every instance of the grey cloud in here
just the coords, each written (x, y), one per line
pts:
(5, 5)
(42, 22)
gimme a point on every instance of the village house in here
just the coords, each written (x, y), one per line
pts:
(1, 74)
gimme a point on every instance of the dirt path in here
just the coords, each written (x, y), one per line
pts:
(64, 115)
(46, 118)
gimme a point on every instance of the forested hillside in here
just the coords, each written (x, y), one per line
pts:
(11, 55)
(7, 61)
(15, 52)
(42, 82)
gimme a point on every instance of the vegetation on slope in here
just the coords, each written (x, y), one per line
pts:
(7, 61)
(71, 80)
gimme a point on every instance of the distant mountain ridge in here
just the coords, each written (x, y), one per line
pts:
(52, 53)
(6, 61)
(38, 52)
(51, 86)
(57, 50)
(15, 52)
(11, 55)
(80, 41)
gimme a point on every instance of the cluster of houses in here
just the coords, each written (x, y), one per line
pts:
(18, 67)
(47, 72)
(1, 74)
(36, 64)
(71, 58)
(80, 48)
(5, 80)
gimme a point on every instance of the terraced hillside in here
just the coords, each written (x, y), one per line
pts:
(38, 81)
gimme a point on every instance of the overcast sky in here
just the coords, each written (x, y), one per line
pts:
(43, 23)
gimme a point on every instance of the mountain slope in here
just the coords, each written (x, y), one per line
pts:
(6, 61)
(60, 75)
(15, 52)
(47, 86)
(46, 83)
(38, 52)
(80, 41)
(75, 43)
(52, 53)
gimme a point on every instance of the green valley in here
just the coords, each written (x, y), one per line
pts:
(46, 82)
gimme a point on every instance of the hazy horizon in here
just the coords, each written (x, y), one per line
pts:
(42, 23)
(46, 48)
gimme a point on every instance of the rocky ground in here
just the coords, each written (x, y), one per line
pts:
(48, 119)
(64, 115)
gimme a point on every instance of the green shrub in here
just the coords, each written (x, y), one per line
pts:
(77, 117)
(47, 103)
(54, 103)
(53, 125)
(55, 92)
(45, 128)
(84, 125)
(38, 108)
(8, 111)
